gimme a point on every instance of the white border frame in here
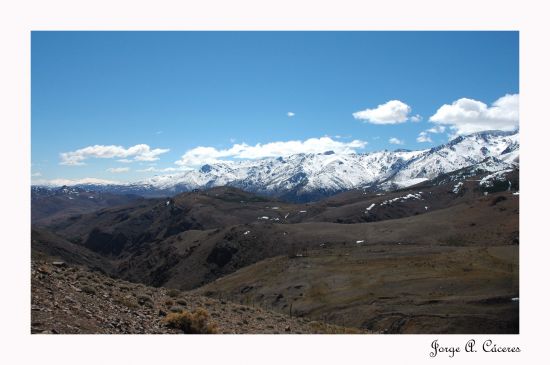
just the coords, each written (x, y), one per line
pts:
(18, 18)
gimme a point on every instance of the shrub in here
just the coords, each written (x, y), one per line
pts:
(173, 293)
(169, 302)
(177, 309)
(195, 322)
(127, 301)
(145, 300)
(88, 289)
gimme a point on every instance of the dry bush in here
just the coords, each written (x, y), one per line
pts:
(88, 289)
(128, 302)
(145, 300)
(173, 293)
(195, 322)
(124, 288)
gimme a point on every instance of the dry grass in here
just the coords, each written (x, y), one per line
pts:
(128, 302)
(196, 322)
(173, 293)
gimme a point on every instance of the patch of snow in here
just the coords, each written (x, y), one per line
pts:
(426, 207)
(489, 180)
(264, 217)
(247, 232)
(286, 215)
(370, 207)
(457, 187)
(401, 199)
(410, 182)
(516, 193)
(303, 211)
(360, 241)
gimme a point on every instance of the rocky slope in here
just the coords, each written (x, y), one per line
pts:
(404, 287)
(72, 299)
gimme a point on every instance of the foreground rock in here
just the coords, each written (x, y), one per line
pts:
(71, 299)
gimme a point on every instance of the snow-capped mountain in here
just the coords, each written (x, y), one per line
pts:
(310, 176)
(307, 172)
(487, 151)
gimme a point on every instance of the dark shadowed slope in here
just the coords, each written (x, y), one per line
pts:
(438, 257)
(55, 204)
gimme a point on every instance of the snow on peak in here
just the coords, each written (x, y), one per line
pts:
(331, 172)
(492, 150)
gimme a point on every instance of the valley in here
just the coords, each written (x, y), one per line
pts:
(440, 256)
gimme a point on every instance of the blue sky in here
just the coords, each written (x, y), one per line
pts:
(177, 91)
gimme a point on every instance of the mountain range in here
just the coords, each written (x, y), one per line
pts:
(308, 177)
(385, 242)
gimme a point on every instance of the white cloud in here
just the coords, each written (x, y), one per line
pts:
(436, 129)
(168, 169)
(416, 118)
(149, 169)
(342, 137)
(290, 114)
(36, 174)
(394, 140)
(423, 137)
(70, 182)
(201, 155)
(392, 112)
(125, 160)
(466, 116)
(116, 170)
(139, 152)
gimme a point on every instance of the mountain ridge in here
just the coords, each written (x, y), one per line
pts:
(308, 177)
